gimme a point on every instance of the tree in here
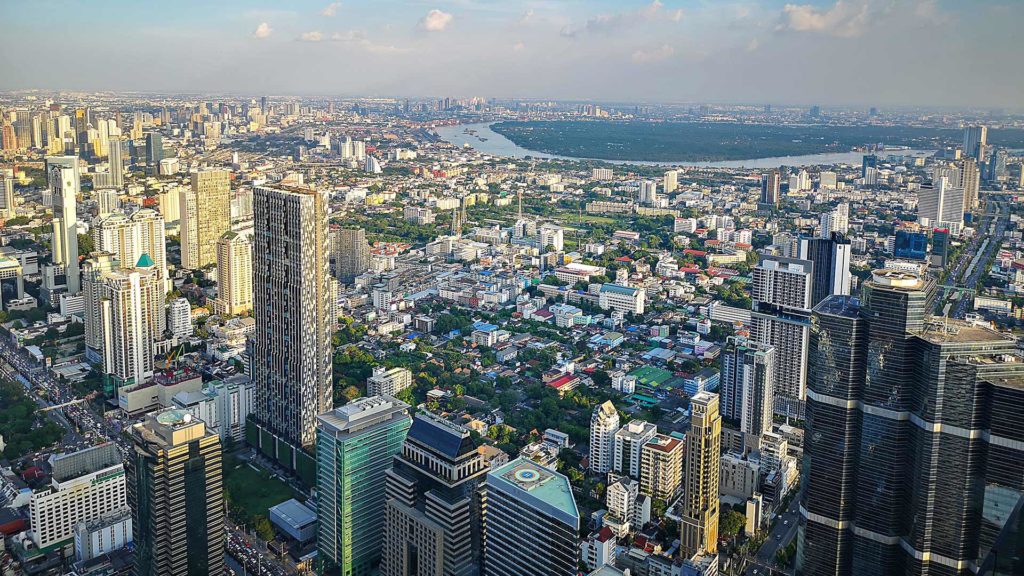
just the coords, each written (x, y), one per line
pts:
(731, 523)
(263, 528)
(85, 244)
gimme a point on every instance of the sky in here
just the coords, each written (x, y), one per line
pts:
(930, 53)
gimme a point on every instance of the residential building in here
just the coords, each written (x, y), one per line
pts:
(604, 423)
(748, 385)
(700, 483)
(234, 275)
(179, 318)
(350, 252)
(661, 467)
(831, 258)
(628, 448)
(205, 210)
(132, 318)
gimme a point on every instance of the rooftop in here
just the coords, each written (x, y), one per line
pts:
(295, 513)
(538, 487)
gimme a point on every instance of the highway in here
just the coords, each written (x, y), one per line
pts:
(972, 263)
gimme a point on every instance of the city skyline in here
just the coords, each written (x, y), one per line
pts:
(673, 51)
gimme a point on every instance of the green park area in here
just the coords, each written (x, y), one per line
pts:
(250, 492)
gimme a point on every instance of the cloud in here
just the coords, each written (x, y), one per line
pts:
(527, 18)
(753, 45)
(314, 36)
(609, 23)
(519, 46)
(331, 9)
(843, 19)
(358, 39)
(262, 31)
(663, 52)
(435, 21)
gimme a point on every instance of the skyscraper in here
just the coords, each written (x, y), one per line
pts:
(355, 446)
(748, 386)
(781, 293)
(433, 511)
(8, 204)
(154, 148)
(909, 427)
(870, 161)
(291, 347)
(351, 253)
(700, 477)
(116, 163)
(128, 238)
(831, 258)
(975, 142)
(176, 496)
(234, 274)
(941, 202)
(532, 523)
(629, 442)
(63, 175)
(604, 423)
(970, 181)
(205, 216)
(670, 182)
(132, 319)
(770, 190)
(93, 271)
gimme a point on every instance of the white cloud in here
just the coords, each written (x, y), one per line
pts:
(435, 21)
(527, 18)
(314, 36)
(331, 9)
(358, 39)
(609, 23)
(663, 52)
(262, 31)
(753, 45)
(843, 19)
(519, 46)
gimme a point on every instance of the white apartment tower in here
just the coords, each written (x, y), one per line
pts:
(603, 425)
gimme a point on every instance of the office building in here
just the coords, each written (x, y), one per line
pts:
(604, 423)
(661, 467)
(910, 245)
(388, 381)
(63, 178)
(291, 346)
(132, 319)
(970, 181)
(355, 446)
(154, 148)
(116, 164)
(700, 477)
(941, 203)
(975, 142)
(104, 534)
(234, 275)
(84, 485)
(915, 467)
(748, 386)
(770, 190)
(176, 496)
(869, 162)
(205, 214)
(433, 515)
(350, 252)
(532, 523)
(830, 256)
(628, 447)
(781, 292)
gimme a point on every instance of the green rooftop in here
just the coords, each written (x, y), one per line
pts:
(145, 261)
(651, 376)
(537, 486)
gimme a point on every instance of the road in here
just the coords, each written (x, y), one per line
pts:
(782, 533)
(86, 428)
(972, 262)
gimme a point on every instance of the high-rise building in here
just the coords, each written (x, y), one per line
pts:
(176, 495)
(234, 274)
(84, 485)
(648, 193)
(350, 252)
(748, 386)
(628, 444)
(291, 347)
(970, 181)
(532, 524)
(433, 515)
(837, 220)
(205, 210)
(831, 258)
(63, 175)
(869, 162)
(781, 292)
(132, 319)
(388, 381)
(179, 318)
(604, 423)
(661, 467)
(116, 164)
(93, 271)
(670, 182)
(8, 202)
(700, 478)
(154, 148)
(941, 202)
(355, 446)
(975, 142)
(129, 237)
(913, 435)
(770, 190)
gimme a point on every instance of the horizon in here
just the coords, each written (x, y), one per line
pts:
(924, 54)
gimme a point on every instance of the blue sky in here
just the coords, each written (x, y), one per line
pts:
(871, 52)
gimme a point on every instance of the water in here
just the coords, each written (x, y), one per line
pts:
(497, 145)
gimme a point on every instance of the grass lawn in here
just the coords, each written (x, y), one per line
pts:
(251, 492)
(596, 219)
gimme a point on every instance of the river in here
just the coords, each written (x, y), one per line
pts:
(497, 145)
